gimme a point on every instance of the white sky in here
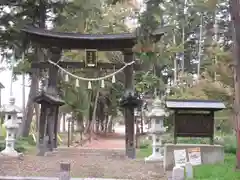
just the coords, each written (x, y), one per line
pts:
(5, 79)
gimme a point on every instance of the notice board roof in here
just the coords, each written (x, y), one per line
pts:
(183, 104)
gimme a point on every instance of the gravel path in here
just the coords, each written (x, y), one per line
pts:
(96, 159)
(84, 163)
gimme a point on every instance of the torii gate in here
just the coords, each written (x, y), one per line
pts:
(57, 41)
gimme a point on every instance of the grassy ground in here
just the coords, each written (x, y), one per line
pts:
(144, 152)
(225, 171)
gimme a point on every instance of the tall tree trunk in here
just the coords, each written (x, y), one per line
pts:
(106, 124)
(110, 124)
(89, 118)
(137, 135)
(64, 122)
(235, 14)
(215, 39)
(174, 57)
(23, 92)
(60, 115)
(72, 127)
(37, 113)
(97, 126)
(93, 122)
(79, 121)
(1, 115)
(102, 123)
(0, 97)
(200, 46)
(80, 125)
(34, 76)
(28, 116)
(88, 123)
(141, 130)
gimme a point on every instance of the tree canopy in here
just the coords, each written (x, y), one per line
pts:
(192, 60)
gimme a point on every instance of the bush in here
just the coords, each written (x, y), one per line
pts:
(229, 142)
(188, 140)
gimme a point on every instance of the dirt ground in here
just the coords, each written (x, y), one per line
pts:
(84, 163)
(102, 158)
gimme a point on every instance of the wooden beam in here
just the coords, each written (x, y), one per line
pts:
(79, 65)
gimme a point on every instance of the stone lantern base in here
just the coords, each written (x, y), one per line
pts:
(10, 153)
(157, 148)
(154, 158)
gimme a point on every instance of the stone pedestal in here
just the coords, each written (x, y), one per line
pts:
(157, 150)
(157, 129)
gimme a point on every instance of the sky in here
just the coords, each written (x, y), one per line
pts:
(5, 79)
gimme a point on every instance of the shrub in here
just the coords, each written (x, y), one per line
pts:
(187, 140)
(229, 142)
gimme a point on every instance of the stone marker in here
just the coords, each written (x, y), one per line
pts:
(178, 173)
(189, 170)
(64, 171)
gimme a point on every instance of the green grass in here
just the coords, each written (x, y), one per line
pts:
(22, 145)
(144, 152)
(224, 171)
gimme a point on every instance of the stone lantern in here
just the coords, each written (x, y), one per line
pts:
(11, 124)
(156, 116)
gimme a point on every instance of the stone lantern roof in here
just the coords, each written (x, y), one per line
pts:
(11, 107)
(157, 110)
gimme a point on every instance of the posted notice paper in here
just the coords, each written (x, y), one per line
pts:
(194, 155)
(180, 157)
